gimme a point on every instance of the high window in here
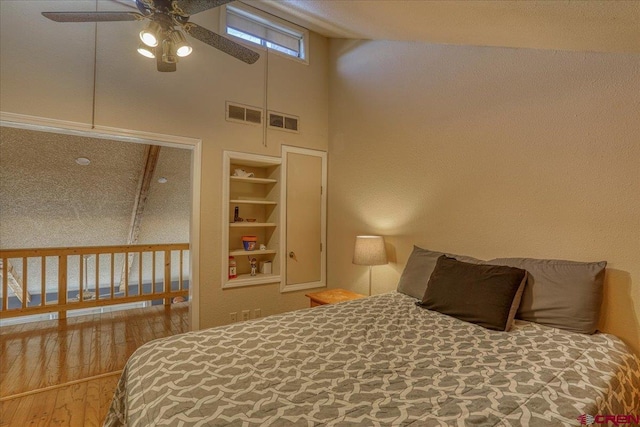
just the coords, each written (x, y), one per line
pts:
(255, 26)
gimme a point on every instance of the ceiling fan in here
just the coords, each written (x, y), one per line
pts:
(160, 39)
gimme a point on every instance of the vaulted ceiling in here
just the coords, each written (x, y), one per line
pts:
(49, 200)
(593, 25)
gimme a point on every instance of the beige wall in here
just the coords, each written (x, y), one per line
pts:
(489, 152)
(51, 76)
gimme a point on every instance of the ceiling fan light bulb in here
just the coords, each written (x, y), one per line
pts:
(149, 39)
(144, 50)
(150, 34)
(183, 51)
(182, 47)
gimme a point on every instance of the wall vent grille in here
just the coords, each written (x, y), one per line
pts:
(243, 114)
(285, 122)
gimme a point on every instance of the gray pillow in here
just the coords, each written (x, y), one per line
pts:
(561, 294)
(420, 265)
(478, 293)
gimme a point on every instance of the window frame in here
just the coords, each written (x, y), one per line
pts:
(265, 18)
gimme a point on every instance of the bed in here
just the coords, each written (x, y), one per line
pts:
(381, 360)
(463, 341)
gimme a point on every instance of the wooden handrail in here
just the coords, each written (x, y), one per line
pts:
(93, 299)
(89, 250)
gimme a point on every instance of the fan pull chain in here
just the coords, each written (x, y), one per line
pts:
(95, 71)
(266, 99)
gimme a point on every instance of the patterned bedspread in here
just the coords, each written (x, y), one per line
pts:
(376, 361)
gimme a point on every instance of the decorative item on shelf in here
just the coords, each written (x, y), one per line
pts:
(250, 220)
(249, 242)
(236, 215)
(243, 173)
(233, 273)
(369, 250)
(254, 266)
(263, 247)
(265, 267)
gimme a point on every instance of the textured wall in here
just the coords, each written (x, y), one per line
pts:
(167, 212)
(47, 200)
(43, 77)
(489, 152)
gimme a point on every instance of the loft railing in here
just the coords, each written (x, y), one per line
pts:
(47, 280)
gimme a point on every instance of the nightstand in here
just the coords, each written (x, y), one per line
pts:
(331, 296)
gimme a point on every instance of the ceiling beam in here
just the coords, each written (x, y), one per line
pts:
(152, 153)
(14, 281)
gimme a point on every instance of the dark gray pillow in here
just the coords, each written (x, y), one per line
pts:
(478, 293)
(561, 294)
(420, 265)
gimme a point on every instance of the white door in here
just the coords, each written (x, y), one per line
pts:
(305, 205)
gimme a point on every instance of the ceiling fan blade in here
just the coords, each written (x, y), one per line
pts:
(92, 16)
(222, 43)
(191, 7)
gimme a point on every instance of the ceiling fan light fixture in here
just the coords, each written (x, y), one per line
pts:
(151, 34)
(145, 50)
(168, 52)
(182, 47)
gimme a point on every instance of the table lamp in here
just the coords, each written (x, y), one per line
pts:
(369, 250)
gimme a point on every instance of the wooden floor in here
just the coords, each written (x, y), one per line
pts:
(64, 372)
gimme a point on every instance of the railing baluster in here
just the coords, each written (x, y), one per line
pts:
(25, 283)
(140, 273)
(5, 284)
(126, 274)
(62, 286)
(153, 272)
(167, 275)
(180, 280)
(96, 288)
(111, 285)
(43, 281)
(81, 279)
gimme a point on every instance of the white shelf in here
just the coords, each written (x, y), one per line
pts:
(253, 180)
(247, 279)
(240, 252)
(259, 197)
(252, 202)
(252, 224)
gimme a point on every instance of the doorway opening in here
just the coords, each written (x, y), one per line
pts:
(122, 206)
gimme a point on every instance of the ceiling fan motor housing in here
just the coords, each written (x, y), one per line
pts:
(168, 8)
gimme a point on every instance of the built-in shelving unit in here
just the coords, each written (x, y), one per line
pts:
(242, 252)
(253, 180)
(253, 202)
(256, 197)
(253, 224)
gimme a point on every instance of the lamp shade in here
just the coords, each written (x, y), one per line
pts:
(369, 250)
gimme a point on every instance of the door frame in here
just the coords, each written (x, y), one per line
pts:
(22, 121)
(286, 149)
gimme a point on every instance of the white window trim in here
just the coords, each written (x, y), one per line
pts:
(271, 19)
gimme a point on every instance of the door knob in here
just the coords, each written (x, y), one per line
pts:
(292, 254)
